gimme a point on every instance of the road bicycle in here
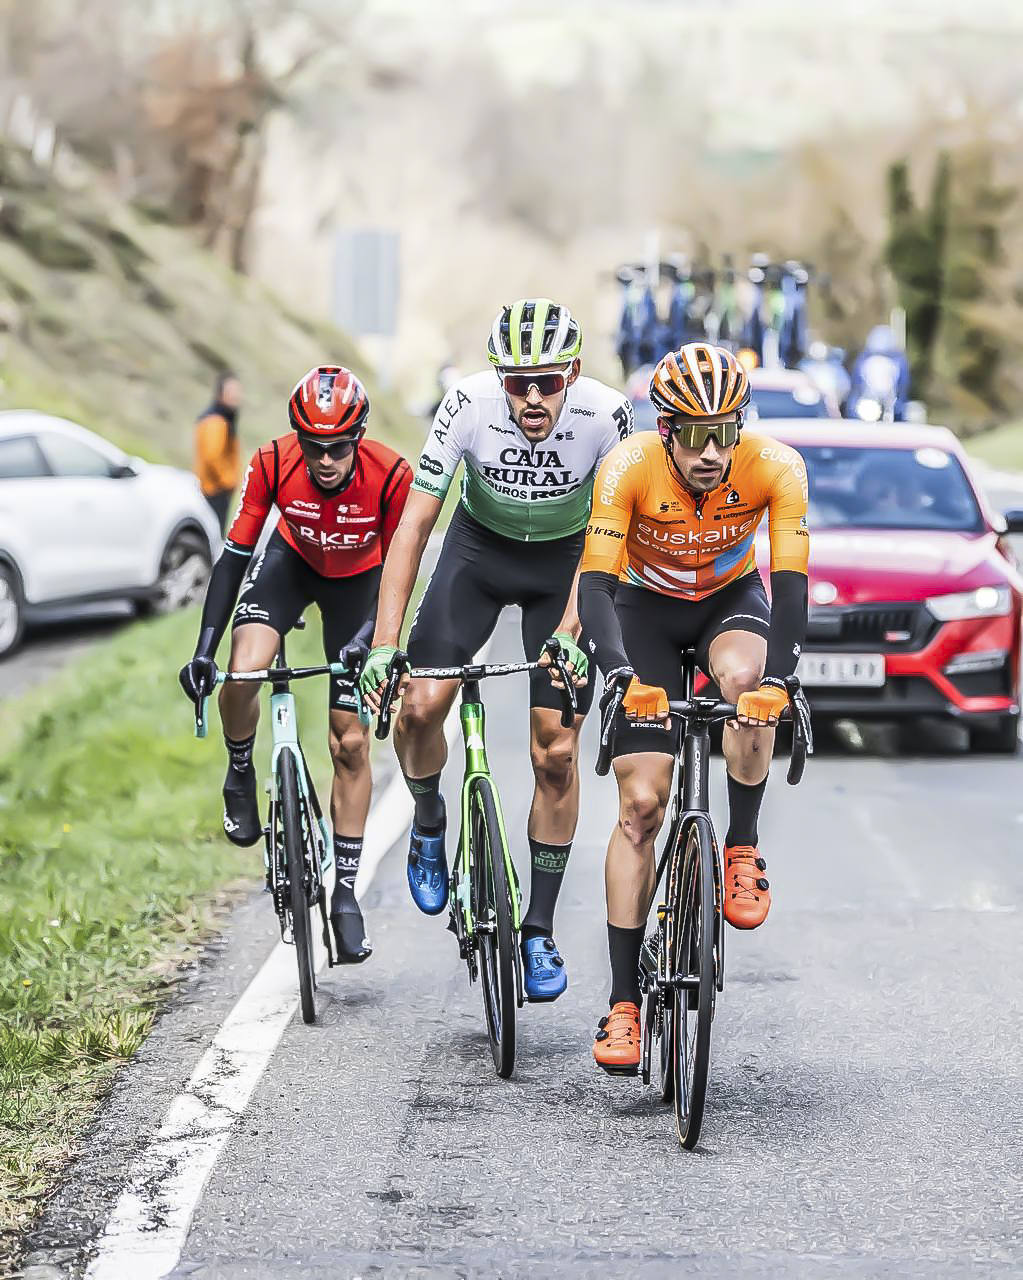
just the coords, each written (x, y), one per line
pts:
(682, 963)
(298, 842)
(485, 898)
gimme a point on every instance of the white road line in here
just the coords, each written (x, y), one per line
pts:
(148, 1227)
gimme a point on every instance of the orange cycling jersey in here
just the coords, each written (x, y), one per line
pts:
(648, 530)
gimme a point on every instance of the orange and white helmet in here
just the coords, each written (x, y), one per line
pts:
(700, 381)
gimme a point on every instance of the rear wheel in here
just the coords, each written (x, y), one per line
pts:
(691, 967)
(492, 916)
(297, 889)
(184, 575)
(12, 610)
(1002, 740)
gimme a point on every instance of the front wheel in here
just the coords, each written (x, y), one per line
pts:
(492, 923)
(297, 895)
(691, 971)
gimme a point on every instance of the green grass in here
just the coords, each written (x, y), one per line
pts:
(1002, 447)
(112, 864)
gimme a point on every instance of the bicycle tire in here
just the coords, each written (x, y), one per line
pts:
(294, 850)
(492, 922)
(691, 953)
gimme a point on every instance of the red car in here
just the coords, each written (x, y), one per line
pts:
(915, 598)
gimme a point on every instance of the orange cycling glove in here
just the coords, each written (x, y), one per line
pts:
(763, 705)
(645, 701)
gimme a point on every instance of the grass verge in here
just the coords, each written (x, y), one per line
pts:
(111, 864)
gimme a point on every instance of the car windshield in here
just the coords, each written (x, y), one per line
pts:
(785, 404)
(888, 489)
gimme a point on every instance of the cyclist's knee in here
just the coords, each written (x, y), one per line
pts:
(554, 760)
(419, 715)
(349, 748)
(743, 677)
(641, 813)
(253, 647)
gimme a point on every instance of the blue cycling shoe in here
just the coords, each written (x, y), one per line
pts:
(427, 872)
(544, 977)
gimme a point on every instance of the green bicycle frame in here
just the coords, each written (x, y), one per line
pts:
(473, 719)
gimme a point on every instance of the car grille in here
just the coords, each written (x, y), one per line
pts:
(888, 628)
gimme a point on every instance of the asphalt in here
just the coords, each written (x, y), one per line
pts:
(865, 1109)
(48, 648)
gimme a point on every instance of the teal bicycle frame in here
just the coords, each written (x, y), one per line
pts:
(284, 730)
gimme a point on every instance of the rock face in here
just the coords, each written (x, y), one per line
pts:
(120, 323)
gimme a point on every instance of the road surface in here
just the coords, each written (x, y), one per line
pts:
(865, 1109)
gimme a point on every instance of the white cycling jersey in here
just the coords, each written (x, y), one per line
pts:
(531, 492)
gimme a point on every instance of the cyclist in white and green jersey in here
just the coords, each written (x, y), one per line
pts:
(530, 433)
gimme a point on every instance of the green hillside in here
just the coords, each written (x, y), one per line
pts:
(121, 323)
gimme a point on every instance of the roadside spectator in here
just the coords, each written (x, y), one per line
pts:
(217, 459)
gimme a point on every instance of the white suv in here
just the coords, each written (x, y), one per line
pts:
(80, 522)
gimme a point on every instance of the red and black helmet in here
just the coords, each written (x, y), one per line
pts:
(329, 401)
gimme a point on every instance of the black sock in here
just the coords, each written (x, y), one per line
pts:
(240, 753)
(347, 852)
(429, 803)
(624, 946)
(743, 810)
(547, 870)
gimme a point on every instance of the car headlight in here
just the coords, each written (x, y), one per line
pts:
(985, 602)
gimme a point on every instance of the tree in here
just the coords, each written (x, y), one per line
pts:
(915, 253)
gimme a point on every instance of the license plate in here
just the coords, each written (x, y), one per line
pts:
(863, 669)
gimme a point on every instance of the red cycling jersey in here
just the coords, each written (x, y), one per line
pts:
(338, 536)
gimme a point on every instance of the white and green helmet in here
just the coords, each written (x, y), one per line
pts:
(534, 331)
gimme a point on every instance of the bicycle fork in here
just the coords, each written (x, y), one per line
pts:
(284, 726)
(473, 720)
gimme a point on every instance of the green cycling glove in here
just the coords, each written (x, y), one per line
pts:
(374, 671)
(573, 654)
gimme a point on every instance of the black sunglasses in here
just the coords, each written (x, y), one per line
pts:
(548, 384)
(312, 448)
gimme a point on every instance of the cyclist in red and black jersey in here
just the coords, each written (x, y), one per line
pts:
(340, 498)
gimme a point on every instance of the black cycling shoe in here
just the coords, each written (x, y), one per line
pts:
(241, 808)
(350, 939)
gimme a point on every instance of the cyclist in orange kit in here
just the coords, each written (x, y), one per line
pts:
(669, 564)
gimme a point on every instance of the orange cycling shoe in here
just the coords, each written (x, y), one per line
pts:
(747, 891)
(616, 1045)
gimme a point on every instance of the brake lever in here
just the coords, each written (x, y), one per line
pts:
(396, 669)
(607, 734)
(802, 729)
(569, 698)
(201, 722)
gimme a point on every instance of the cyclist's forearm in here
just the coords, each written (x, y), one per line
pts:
(570, 623)
(221, 596)
(401, 568)
(788, 622)
(600, 621)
